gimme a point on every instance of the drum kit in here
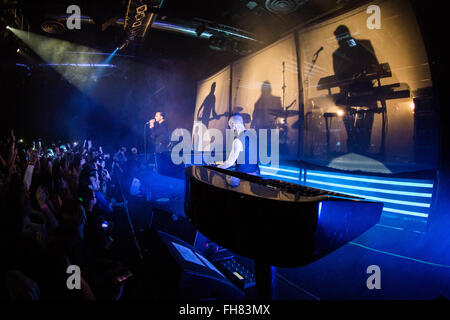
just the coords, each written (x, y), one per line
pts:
(280, 121)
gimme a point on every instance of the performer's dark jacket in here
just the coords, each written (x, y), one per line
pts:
(160, 137)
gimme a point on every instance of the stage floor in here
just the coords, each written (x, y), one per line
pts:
(410, 269)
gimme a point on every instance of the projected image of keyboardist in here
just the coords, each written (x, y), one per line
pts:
(354, 64)
(244, 155)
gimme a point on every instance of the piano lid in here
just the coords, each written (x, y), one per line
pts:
(233, 184)
(259, 187)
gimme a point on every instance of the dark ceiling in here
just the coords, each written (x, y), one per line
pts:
(240, 26)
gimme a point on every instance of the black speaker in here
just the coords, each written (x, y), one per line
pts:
(179, 271)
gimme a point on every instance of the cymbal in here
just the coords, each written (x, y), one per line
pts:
(281, 113)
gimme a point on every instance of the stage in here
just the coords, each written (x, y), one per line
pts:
(412, 266)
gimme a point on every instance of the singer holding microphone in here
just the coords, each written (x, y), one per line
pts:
(159, 134)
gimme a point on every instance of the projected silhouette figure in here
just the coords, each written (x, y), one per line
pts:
(352, 61)
(208, 107)
(266, 108)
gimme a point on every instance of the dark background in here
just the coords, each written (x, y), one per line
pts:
(159, 73)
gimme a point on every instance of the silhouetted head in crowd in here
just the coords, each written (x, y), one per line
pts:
(72, 213)
(89, 179)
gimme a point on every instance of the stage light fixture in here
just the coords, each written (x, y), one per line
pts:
(218, 43)
(18, 50)
(283, 7)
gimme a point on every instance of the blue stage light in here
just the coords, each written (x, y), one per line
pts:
(108, 60)
(395, 190)
(320, 208)
(378, 190)
(282, 169)
(371, 180)
(410, 213)
(279, 175)
(400, 256)
(407, 203)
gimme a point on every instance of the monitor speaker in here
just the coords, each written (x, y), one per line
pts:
(179, 271)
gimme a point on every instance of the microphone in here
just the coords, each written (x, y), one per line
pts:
(317, 52)
(316, 55)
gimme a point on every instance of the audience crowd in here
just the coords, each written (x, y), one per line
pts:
(57, 205)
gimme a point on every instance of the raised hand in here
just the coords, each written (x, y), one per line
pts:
(106, 175)
(33, 157)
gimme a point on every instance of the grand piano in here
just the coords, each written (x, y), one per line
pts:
(275, 223)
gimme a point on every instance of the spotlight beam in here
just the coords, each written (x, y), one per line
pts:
(54, 53)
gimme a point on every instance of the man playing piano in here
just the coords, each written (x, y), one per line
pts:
(244, 153)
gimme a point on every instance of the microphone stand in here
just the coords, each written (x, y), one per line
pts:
(130, 223)
(284, 85)
(306, 95)
(314, 59)
(283, 126)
